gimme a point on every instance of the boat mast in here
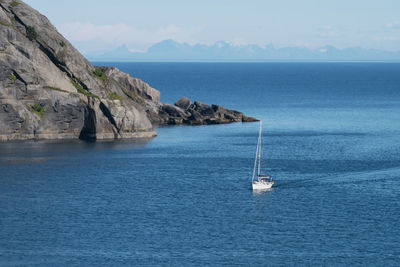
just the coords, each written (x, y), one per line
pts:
(255, 158)
(259, 151)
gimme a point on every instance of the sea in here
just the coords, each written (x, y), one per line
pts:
(331, 141)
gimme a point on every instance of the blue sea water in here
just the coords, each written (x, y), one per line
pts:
(331, 141)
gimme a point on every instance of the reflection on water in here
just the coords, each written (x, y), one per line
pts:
(41, 151)
(262, 191)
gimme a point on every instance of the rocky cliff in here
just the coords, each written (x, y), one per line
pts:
(48, 90)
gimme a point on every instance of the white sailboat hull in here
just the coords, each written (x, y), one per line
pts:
(261, 185)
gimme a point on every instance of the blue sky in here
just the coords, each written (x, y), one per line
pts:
(96, 26)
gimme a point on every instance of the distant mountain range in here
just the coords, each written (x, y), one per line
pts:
(170, 50)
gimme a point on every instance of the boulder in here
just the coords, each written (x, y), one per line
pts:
(183, 103)
(172, 111)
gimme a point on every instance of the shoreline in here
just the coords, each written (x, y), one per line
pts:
(73, 137)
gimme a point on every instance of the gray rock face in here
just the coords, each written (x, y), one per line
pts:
(133, 88)
(48, 90)
(183, 103)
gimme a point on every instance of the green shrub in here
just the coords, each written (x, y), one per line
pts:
(12, 77)
(133, 96)
(14, 3)
(38, 109)
(100, 75)
(115, 96)
(62, 43)
(81, 90)
(98, 72)
(31, 33)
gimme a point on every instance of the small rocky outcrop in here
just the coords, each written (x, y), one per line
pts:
(184, 112)
(48, 90)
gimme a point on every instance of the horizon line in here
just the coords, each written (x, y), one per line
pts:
(244, 61)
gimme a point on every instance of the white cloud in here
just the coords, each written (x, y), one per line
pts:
(115, 35)
(327, 31)
(93, 39)
(237, 41)
(385, 38)
(168, 31)
(393, 25)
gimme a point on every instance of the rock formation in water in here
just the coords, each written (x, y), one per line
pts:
(48, 90)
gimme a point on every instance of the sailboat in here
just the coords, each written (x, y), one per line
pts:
(263, 181)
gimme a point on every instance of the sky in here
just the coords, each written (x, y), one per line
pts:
(96, 26)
